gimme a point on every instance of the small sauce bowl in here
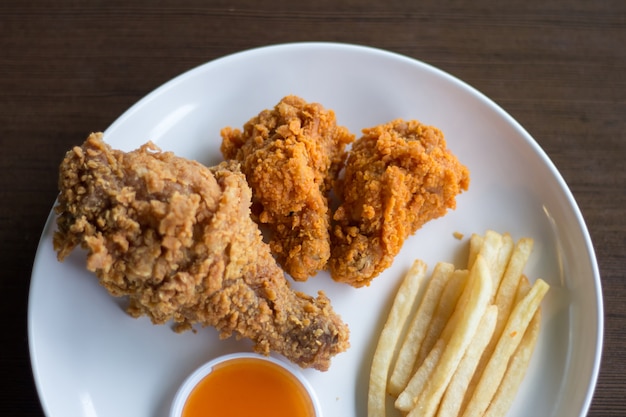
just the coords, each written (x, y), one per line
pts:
(245, 384)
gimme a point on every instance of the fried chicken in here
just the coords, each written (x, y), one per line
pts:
(291, 156)
(398, 176)
(177, 239)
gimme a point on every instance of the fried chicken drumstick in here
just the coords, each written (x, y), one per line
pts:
(177, 239)
(291, 156)
(398, 176)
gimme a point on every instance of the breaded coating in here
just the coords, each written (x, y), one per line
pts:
(291, 156)
(177, 238)
(398, 176)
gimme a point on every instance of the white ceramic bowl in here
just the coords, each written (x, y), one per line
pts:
(199, 374)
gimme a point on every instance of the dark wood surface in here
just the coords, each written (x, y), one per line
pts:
(68, 68)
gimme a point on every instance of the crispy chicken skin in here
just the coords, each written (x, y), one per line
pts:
(177, 239)
(291, 156)
(398, 176)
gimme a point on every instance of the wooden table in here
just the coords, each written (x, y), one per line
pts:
(558, 67)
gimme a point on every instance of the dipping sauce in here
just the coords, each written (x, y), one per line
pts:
(246, 387)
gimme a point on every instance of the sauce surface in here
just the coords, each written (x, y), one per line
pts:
(247, 387)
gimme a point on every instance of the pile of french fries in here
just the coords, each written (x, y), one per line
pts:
(459, 343)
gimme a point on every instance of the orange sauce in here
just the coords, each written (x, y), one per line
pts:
(248, 387)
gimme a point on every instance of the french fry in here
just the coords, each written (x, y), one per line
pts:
(522, 289)
(464, 348)
(388, 341)
(516, 370)
(508, 294)
(496, 250)
(513, 331)
(453, 397)
(408, 397)
(492, 241)
(445, 309)
(406, 361)
(476, 242)
(501, 262)
(406, 400)
(505, 295)
(479, 290)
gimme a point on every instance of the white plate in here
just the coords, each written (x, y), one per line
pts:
(91, 359)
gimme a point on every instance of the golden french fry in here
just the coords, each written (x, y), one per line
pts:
(513, 331)
(516, 370)
(476, 242)
(505, 295)
(513, 287)
(479, 292)
(523, 287)
(492, 241)
(388, 341)
(496, 250)
(405, 363)
(465, 351)
(447, 303)
(453, 397)
(406, 400)
(501, 262)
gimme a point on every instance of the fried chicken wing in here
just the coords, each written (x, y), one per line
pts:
(398, 176)
(177, 239)
(291, 155)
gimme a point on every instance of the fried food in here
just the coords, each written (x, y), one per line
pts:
(515, 372)
(457, 388)
(474, 302)
(418, 327)
(398, 176)
(507, 344)
(460, 374)
(390, 338)
(291, 156)
(177, 239)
